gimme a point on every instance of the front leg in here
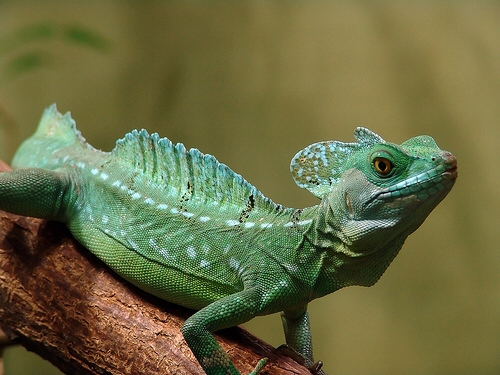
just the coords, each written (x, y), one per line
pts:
(298, 338)
(227, 312)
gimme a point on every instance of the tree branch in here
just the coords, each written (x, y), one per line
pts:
(61, 302)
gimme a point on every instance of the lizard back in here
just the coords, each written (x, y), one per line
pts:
(178, 213)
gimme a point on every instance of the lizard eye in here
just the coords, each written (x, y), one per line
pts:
(383, 166)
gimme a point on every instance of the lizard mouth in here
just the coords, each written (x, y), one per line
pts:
(425, 184)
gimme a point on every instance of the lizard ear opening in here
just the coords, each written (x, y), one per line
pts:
(320, 166)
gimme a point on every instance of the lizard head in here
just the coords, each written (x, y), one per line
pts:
(374, 193)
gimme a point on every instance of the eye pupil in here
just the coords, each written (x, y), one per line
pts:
(383, 166)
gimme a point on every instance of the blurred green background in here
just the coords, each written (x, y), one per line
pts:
(254, 82)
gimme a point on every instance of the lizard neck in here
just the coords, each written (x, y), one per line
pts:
(342, 263)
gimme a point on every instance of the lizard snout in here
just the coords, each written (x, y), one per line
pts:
(450, 163)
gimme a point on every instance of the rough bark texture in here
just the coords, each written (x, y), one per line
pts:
(61, 302)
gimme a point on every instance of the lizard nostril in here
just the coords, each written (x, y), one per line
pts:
(450, 159)
(450, 162)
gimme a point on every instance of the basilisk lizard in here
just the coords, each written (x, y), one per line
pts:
(186, 228)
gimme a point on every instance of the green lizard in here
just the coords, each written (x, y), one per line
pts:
(185, 228)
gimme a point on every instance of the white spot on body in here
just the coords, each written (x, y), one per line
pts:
(232, 223)
(81, 165)
(204, 263)
(164, 252)
(204, 219)
(292, 267)
(94, 171)
(105, 219)
(266, 225)
(90, 213)
(136, 195)
(117, 183)
(149, 201)
(174, 211)
(305, 222)
(133, 245)
(162, 206)
(249, 224)
(104, 176)
(188, 214)
(288, 225)
(233, 263)
(191, 252)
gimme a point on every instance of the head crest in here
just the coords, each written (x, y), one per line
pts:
(321, 165)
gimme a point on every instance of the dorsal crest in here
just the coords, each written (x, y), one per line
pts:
(319, 166)
(147, 160)
(185, 173)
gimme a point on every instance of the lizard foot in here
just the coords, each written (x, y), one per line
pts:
(315, 367)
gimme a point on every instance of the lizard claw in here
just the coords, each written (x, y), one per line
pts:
(316, 368)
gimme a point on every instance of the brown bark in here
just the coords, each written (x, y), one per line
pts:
(61, 302)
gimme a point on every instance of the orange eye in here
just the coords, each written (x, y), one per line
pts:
(383, 166)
